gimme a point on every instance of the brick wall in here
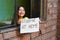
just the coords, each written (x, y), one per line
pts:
(47, 28)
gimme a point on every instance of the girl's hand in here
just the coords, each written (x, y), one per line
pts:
(19, 21)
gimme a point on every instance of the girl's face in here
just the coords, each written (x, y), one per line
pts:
(21, 12)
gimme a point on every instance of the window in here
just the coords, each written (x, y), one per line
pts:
(6, 11)
(34, 8)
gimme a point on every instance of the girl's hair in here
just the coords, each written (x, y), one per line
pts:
(20, 6)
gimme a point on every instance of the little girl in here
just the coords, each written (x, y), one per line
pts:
(21, 14)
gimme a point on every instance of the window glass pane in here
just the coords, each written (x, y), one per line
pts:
(6, 10)
(35, 8)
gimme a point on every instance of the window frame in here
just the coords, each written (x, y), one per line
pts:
(43, 14)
